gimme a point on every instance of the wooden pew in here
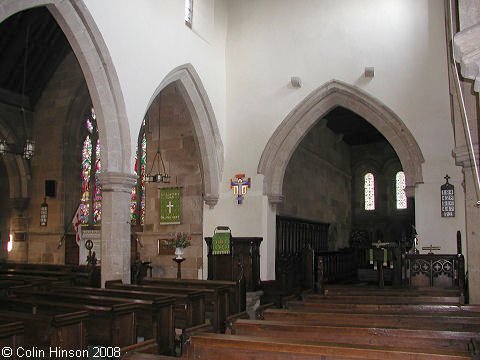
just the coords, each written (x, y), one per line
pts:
(112, 321)
(85, 275)
(47, 324)
(9, 280)
(366, 290)
(11, 333)
(56, 275)
(411, 321)
(189, 303)
(220, 347)
(141, 356)
(154, 319)
(385, 337)
(384, 299)
(233, 288)
(217, 300)
(440, 309)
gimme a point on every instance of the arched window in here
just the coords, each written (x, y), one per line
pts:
(401, 196)
(91, 198)
(369, 189)
(137, 205)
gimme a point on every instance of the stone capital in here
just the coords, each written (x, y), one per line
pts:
(18, 204)
(275, 199)
(463, 157)
(116, 181)
(467, 51)
(211, 200)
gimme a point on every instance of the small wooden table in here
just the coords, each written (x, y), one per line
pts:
(179, 267)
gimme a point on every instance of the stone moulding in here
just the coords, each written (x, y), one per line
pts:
(467, 50)
(304, 116)
(205, 125)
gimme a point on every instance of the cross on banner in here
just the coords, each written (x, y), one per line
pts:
(170, 206)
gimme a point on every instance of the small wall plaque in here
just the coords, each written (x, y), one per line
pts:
(447, 191)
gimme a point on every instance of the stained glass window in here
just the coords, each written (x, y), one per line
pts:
(401, 196)
(369, 188)
(137, 204)
(91, 197)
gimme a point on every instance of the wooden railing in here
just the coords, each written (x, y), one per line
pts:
(331, 267)
(295, 239)
(434, 270)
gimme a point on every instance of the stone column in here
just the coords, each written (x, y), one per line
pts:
(17, 223)
(116, 192)
(472, 214)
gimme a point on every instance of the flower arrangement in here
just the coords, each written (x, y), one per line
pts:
(359, 238)
(179, 240)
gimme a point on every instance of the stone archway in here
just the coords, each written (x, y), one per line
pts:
(205, 125)
(117, 179)
(299, 121)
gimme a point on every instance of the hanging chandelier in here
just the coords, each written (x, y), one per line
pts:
(29, 145)
(157, 174)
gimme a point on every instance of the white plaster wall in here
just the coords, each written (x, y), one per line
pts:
(245, 57)
(149, 38)
(268, 41)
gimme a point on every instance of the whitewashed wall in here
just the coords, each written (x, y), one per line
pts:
(148, 38)
(245, 56)
(269, 41)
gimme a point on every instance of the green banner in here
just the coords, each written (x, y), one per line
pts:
(221, 243)
(170, 209)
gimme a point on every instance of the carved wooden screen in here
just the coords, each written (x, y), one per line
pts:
(294, 236)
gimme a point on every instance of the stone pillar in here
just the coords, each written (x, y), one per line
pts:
(466, 42)
(473, 237)
(116, 192)
(18, 223)
(472, 214)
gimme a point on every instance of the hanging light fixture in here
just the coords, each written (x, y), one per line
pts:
(29, 145)
(158, 175)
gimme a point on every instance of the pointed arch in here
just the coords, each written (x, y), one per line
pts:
(299, 121)
(17, 168)
(204, 123)
(92, 53)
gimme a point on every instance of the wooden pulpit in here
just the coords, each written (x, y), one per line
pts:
(244, 257)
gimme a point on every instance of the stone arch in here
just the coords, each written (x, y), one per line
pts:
(204, 123)
(299, 121)
(17, 169)
(92, 53)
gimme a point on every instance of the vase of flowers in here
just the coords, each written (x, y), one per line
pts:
(179, 241)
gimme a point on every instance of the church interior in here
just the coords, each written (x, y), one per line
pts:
(208, 179)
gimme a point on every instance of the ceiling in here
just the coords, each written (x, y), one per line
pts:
(47, 47)
(355, 129)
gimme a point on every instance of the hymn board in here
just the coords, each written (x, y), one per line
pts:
(447, 199)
